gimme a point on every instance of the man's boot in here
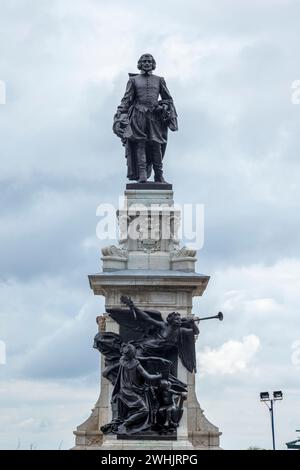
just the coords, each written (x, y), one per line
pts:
(157, 163)
(142, 176)
(159, 179)
(141, 161)
(149, 170)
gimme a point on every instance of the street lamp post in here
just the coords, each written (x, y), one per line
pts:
(265, 398)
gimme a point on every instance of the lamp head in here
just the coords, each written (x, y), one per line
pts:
(264, 396)
(277, 395)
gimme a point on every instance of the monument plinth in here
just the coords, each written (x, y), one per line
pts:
(159, 276)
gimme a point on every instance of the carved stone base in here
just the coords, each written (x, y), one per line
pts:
(88, 434)
(111, 444)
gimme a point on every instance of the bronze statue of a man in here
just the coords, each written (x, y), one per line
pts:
(142, 122)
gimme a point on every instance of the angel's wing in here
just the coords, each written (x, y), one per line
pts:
(177, 384)
(125, 317)
(186, 349)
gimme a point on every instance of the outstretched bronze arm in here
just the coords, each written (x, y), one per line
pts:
(127, 301)
(137, 311)
(147, 376)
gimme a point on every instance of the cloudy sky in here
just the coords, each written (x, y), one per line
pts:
(230, 66)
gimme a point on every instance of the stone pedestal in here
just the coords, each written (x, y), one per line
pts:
(149, 266)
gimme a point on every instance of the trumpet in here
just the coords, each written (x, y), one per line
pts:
(219, 316)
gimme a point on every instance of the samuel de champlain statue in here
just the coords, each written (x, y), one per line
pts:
(142, 122)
